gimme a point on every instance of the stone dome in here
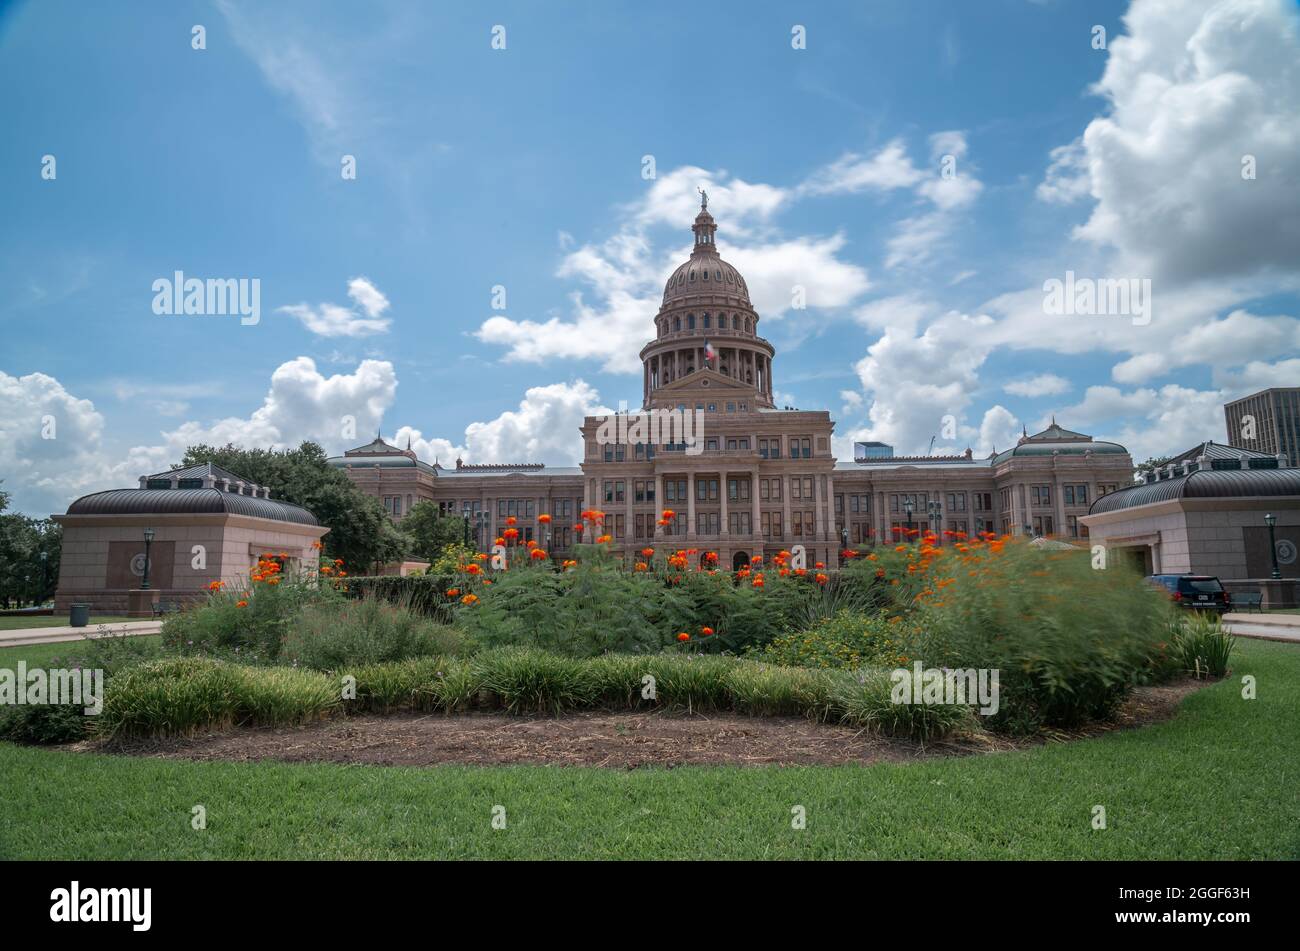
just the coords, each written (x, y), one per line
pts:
(705, 273)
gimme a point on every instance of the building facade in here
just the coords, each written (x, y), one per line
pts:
(203, 524)
(1208, 512)
(742, 476)
(1267, 422)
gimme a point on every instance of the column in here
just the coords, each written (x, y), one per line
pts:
(629, 533)
(659, 504)
(819, 489)
(690, 505)
(722, 494)
(1058, 504)
(785, 508)
(830, 515)
(757, 527)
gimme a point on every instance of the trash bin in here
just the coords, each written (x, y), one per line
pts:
(79, 615)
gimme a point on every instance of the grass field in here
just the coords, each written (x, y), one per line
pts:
(1219, 781)
(59, 620)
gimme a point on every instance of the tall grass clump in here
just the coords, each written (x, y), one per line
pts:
(1069, 639)
(370, 630)
(182, 696)
(1204, 645)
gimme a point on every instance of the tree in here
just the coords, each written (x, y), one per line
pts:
(1155, 462)
(360, 530)
(24, 576)
(430, 532)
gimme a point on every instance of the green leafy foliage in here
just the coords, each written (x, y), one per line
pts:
(361, 533)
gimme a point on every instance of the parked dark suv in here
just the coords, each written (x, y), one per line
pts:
(1198, 592)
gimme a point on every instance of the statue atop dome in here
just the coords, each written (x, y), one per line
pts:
(704, 199)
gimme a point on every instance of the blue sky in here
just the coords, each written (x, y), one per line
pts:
(523, 167)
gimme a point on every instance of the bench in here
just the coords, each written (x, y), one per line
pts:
(166, 607)
(1246, 599)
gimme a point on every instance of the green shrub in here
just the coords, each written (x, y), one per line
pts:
(1069, 640)
(180, 696)
(68, 722)
(330, 635)
(530, 681)
(43, 723)
(764, 690)
(252, 633)
(865, 699)
(848, 639)
(425, 594)
(1203, 645)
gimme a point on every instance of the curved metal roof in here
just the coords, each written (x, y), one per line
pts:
(186, 502)
(1067, 448)
(1204, 484)
(393, 461)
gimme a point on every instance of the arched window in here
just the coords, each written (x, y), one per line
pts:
(747, 327)
(706, 321)
(677, 323)
(692, 274)
(690, 321)
(706, 274)
(735, 322)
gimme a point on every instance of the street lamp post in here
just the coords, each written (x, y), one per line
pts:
(934, 509)
(465, 514)
(908, 507)
(45, 574)
(148, 540)
(1271, 520)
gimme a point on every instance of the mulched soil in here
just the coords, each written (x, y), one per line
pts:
(618, 740)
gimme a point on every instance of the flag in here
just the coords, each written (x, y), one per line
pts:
(709, 352)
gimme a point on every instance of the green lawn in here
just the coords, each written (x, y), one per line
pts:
(1220, 781)
(59, 620)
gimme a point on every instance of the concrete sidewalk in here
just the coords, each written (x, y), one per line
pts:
(53, 635)
(1269, 627)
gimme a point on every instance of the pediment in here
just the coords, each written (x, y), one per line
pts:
(706, 381)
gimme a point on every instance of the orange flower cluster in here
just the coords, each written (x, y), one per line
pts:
(216, 586)
(537, 555)
(595, 516)
(544, 519)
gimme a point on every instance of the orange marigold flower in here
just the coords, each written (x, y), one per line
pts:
(669, 515)
(820, 564)
(683, 636)
(640, 566)
(511, 533)
(604, 539)
(706, 631)
(647, 552)
(537, 555)
(453, 592)
(544, 519)
(469, 599)
(241, 604)
(216, 586)
(821, 578)
(511, 520)
(272, 580)
(339, 562)
(473, 569)
(317, 545)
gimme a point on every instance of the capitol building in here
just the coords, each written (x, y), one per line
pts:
(756, 478)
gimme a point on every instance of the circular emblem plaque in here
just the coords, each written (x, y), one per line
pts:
(137, 565)
(1286, 552)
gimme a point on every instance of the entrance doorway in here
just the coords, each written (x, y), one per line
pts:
(740, 560)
